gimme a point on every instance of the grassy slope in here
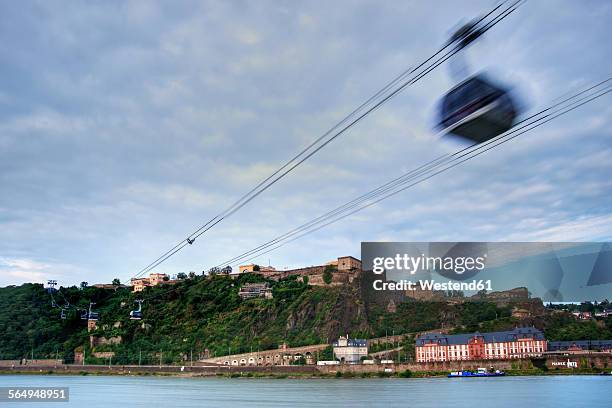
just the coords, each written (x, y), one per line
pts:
(199, 314)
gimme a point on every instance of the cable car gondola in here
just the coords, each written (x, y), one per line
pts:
(475, 109)
(137, 314)
(89, 315)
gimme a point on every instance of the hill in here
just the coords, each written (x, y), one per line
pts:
(205, 315)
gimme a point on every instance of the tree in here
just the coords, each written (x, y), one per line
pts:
(181, 275)
(84, 285)
(328, 274)
(192, 274)
(116, 282)
(256, 268)
(166, 278)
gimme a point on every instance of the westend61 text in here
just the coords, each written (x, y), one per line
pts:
(403, 284)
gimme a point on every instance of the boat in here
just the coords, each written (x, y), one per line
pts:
(481, 372)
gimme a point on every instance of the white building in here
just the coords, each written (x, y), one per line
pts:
(350, 350)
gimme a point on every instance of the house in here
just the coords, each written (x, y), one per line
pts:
(255, 290)
(350, 351)
(255, 268)
(582, 315)
(154, 279)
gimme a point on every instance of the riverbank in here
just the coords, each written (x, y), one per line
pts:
(283, 372)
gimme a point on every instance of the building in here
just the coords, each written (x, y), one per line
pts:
(582, 315)
(346, 263)
(157, 278)
(255, 268)
(255, 290)
(580, 346)
(520, 313)
(154, 279)
(350, 350)
(347, 269)
(517, 343)
(138, 284)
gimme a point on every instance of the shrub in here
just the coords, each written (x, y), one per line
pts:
(327, 274)
(405, 374)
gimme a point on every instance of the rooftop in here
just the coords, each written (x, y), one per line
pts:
(491, 337)
(351, 342)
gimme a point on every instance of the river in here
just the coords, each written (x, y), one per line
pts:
(515, 392)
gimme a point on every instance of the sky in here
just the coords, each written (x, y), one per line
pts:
(125, 125)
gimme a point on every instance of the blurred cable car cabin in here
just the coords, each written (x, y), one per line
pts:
(477, 110)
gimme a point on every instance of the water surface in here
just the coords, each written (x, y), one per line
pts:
(514, 392)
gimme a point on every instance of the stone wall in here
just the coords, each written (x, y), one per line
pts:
(277, 357)
(25, 362)
(580, 360)
(315, 275)
(602, 361)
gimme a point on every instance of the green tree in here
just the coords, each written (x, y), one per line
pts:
(116, 282)
(181, 275)
(328, 274)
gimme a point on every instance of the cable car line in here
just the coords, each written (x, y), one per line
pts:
(538, 119)
(470, 151)
(303, 156)
(307, 232)
(392, 184)
(388, 92)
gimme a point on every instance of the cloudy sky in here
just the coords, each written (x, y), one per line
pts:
(124, 125)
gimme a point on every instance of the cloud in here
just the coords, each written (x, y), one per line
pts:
(21, 270)
(124, 126)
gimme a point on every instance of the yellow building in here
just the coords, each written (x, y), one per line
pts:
(251, 268)
(154, 279)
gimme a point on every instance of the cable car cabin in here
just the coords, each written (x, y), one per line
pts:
(477, 110)
(135, 315)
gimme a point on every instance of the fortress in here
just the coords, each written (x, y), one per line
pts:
(344, 270)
